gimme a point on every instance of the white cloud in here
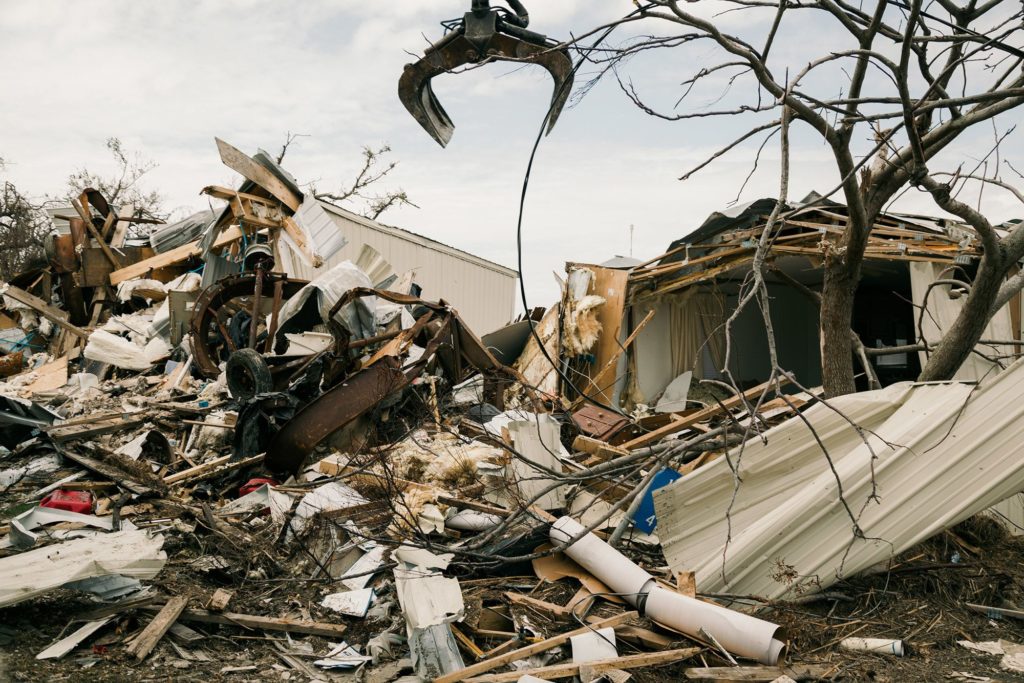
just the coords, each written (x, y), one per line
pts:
(168, 77)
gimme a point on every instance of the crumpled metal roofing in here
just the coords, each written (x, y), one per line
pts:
(946, 452)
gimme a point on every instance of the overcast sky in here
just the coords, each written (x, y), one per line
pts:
(168, 77)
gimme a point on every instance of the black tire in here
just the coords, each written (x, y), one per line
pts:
(248, 374)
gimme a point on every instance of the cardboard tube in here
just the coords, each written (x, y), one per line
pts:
(739, 633)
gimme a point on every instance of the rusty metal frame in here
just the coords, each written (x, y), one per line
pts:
(458, 351)
(209, 303)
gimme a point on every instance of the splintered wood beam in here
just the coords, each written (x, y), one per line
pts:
(299, 237)
(87, 219)
(216, 466)
(94, 425)
(176, 255)
(227, 194)
(249, 169)
(530, 650)
(700, 416)
(151, 635)
(107, 470)
(51, 313)
(313, 628)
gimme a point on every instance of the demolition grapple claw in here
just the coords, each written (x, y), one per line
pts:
(483, 34)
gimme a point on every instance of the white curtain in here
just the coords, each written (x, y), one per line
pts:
(942, 311)
(696, 319)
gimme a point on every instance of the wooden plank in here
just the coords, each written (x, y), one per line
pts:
(299, 237)
(549, 608)
(49, 377)
(529, 650)
(648, 638)
(227, 194)
(124, 219)
(151, 635)
(569, 669)
(611, 285)
(87, 219)
(700, 276)
(313, 628)
(51, 313)
(676, 265)
(466, 642)
(798, 672)
(185, 251)
(107, 470)
(94, 426)
(247, 167)
(700, 416)
(597, 448)
(214, 467)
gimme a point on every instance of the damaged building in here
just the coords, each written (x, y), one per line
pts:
(674, 308)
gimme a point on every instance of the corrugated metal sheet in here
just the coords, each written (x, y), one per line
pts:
(1010, 513)
(324, 235)
(787, 460)
(943, 311)
(163, 238)
(948, 452)
(482, 292)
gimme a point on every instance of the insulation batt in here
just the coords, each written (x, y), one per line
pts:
(106, 347)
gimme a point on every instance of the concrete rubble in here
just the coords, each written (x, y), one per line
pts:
(211, 462)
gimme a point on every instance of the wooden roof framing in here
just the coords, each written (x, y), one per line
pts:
(804, 232)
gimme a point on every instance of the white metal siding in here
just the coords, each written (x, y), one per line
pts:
(482, 292)
(949, 452)
(324, 234)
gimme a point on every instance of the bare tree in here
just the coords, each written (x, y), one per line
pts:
(895, 86)
(369, 204)
(123, 188)
(23, 226)
(289, 138)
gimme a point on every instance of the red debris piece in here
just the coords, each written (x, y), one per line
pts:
(253, 484)
(73, 501)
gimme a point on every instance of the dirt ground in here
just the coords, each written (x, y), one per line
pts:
(922, 600)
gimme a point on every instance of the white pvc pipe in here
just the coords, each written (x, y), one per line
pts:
(885, 646)
(472, 520)
(613, 568)
(738, 633)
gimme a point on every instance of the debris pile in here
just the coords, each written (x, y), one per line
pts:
(214, 466)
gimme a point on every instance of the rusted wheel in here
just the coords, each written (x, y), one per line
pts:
(213, 336)
(248, 374)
